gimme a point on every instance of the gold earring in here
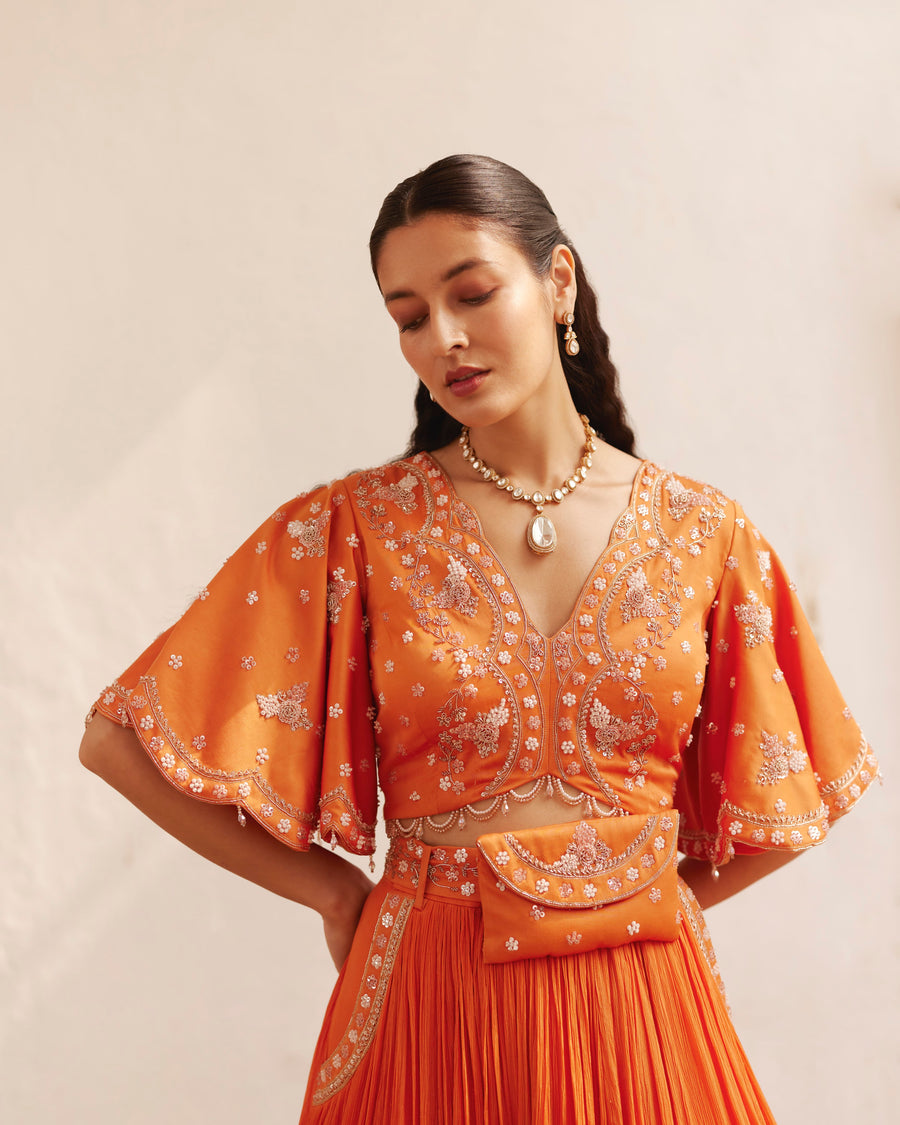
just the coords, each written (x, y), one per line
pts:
(572, 345)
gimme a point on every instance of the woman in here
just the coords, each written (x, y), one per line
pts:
(565, 663)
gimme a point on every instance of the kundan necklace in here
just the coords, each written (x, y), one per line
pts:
(541, 534)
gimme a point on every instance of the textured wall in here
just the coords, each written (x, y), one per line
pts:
(190, 335)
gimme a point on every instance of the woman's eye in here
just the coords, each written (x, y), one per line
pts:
(479, 299)
(412, 325)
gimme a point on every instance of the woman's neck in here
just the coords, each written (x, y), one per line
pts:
(538, 447)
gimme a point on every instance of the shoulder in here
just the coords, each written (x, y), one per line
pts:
(677, 496)
(404, 485)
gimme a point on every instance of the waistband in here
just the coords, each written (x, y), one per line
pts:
(428, 871)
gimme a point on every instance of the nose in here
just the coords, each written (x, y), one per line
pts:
(448, 332)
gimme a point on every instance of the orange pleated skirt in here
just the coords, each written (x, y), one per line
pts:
(419, 1029)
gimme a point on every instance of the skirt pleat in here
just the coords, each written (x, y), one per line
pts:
(630, 1035)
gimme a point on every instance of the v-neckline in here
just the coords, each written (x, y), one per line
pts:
(547, 638)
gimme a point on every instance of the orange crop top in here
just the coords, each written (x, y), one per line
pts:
(367, 630)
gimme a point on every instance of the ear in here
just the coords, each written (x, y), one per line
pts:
(563, 288)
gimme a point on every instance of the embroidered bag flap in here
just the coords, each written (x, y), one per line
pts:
(559, 888)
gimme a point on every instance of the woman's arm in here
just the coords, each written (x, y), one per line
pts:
(320, 879)
(740, 872)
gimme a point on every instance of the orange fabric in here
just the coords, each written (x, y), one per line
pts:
(421, 1029)
(367, 625)
(548, 891)
(370, 619)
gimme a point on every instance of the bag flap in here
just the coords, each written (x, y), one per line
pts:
(585, 864)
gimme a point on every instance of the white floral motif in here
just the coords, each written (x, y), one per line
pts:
(455, 592)
(501, 859)
(252, 598)
(335, 711)
(196, 785)
(573, 938)
(614, 884)
(681, 499)
(655, 895)
(590, 891)
(220, 791)
(756, 619)
(781, 758)
(542, 886)
(309, 536)
(632, 874)
(467, 888)
(287, 707)
(247, 663)
(244, 789)
(175, 660)
(639, 600)
(511, 944)
(167, 760)
(284, 826)
(262, 755)
(633, 928)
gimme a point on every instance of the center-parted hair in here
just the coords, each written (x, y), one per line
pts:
(501, 197)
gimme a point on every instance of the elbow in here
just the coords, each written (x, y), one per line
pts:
(97, 750)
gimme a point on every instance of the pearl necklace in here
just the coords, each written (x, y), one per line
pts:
(541, 533)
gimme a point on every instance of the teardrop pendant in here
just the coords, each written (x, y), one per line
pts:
(541, 534)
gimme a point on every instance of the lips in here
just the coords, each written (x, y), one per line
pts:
(460, 373)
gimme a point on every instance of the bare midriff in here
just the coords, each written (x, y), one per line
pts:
(528, 806)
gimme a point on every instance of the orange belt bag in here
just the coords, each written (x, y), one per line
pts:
(567, 888)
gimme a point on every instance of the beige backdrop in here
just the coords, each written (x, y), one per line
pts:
(189, 335)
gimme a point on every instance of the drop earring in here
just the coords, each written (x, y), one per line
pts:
(572, 345)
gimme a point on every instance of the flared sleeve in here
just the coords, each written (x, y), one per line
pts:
(259, 696)
(774, 754)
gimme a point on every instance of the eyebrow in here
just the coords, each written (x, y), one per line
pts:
(448, 275)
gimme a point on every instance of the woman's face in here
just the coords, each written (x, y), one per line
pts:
(476, 325)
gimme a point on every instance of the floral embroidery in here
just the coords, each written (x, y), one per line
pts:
(639, 600)
(309, 535)
(287, 707)
(455, 592)
(338, 589)
(756, 619)
(781, 758)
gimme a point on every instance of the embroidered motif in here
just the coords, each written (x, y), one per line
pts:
(756, 619)
(780, 759)
(639, 600)
(609, 729)
(681, 499)
(455, 592)
(340, 1065)
(287, 707)
(309, 535)
(400, 493)
(338, 589)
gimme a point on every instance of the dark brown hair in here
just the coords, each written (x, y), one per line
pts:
(499, 196)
